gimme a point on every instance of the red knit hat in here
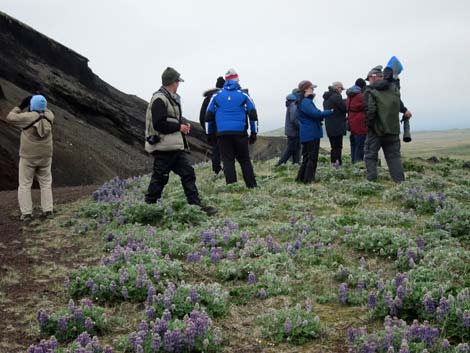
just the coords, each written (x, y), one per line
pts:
(231, 74)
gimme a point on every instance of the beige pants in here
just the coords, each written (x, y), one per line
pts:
(41, 169)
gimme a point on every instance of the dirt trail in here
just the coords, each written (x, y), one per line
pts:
(20, 282)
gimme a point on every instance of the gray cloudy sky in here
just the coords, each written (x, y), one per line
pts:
(272, 44)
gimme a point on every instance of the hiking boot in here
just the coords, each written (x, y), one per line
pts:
(209, 210)
(47, 215)
(26, 218)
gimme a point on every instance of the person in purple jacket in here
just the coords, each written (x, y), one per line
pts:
(310, 118)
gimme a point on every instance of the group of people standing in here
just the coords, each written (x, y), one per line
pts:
(370, 113)
(227, 112)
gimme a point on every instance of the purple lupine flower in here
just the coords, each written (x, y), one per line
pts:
(107, 349)
(150, 294)
(401, 292)
(404, 348)
(411, 254)
(160, 327)
(89, 324)
(371, 300)
(251, 278)
(156, 274)
(125, 293)
(89, 283)
(190, 334)
(445, 344)
(420, 242)
(112, 287)
(463, 348)
(150, 313)
(166, 315)
(109, 236)
(216, 254)
(84, 339)
(380, 284)
(123, 276)
(143, 326)
(343, 293)
(156, 343)
(361, 284)
(262, 294)
(87, 303)
(429, 303)
(43, 318)
(193, 294)
(369, 347)
(466, 319)
(442, 309)
(287, 326)
(399, 279)
(62, 323)
(244, 237)
(431, 335)
(231, 255)
(172, 341)
(77, 314)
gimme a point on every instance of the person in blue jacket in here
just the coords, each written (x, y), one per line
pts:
(310, 118)
(230, 109)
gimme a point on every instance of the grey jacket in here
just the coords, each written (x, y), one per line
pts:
(292, 124)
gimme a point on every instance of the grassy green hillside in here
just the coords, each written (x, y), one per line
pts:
(285, 267)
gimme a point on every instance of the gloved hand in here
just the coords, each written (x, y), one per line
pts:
(25, 102)
(252, 139)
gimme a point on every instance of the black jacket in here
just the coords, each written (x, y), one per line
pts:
(336, 123)
(205, 103)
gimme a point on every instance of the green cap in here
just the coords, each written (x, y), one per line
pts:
(169, 76)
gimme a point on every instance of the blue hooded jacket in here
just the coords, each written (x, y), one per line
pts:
(310, 117)
(229, 108)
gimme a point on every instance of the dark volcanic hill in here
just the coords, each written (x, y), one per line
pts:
(99, 131)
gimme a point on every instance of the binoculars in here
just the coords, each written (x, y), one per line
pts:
(406, 130)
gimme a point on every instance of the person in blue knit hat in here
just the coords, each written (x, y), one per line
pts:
(291, 130)
(35, 122)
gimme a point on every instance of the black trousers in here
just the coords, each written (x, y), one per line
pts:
(308, 168)
(390, 144)
(216, 164)
(336, 143)
(177, 162)
(236, 147)
(292, 150)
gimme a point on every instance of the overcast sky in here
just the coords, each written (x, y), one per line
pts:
(272, 44)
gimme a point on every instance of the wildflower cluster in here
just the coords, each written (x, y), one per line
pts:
(69, 323)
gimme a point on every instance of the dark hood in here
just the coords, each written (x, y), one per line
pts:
(331, 91)
(381, 85)
(210, 92)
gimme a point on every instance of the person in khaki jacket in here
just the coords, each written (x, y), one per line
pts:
(35, 153)
(165, 139)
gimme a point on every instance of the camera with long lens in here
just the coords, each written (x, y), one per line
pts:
(153, 139)
(406, 130)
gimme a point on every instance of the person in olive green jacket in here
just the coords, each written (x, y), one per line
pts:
(382, 101)
(165, 139)
(35, 153)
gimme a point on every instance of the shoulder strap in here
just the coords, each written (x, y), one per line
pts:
(41, 116)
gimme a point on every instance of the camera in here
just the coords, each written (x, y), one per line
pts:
(406, 130)
(153, 139)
